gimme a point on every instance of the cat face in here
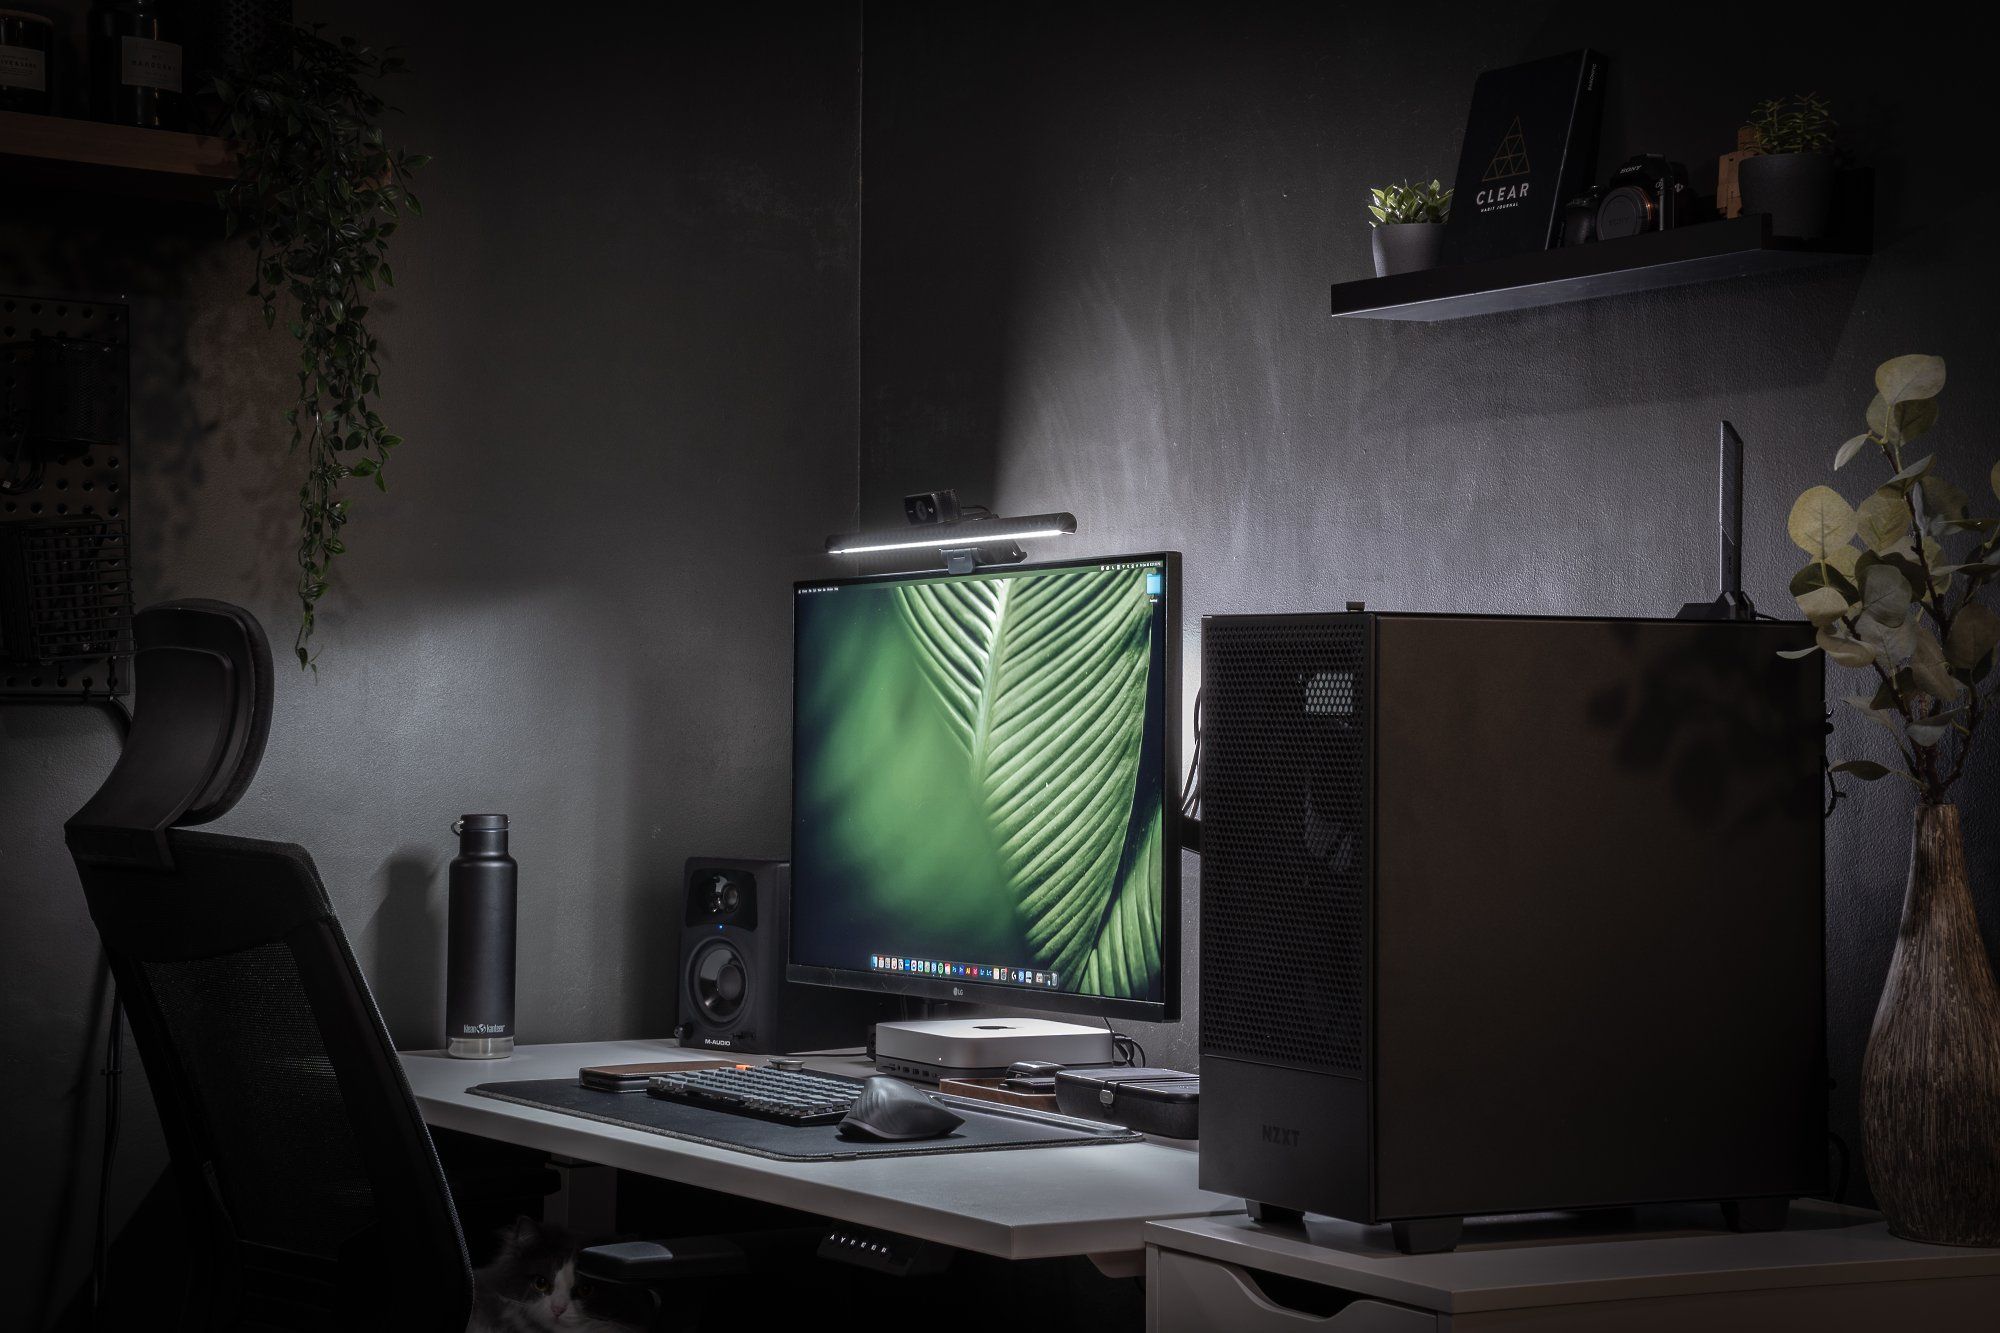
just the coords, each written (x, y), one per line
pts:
(533, 1281)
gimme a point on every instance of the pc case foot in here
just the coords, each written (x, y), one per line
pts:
(1755, 1214)
(1271, 1215)
(1427, 1235)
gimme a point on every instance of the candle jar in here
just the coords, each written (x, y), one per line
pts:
(27, 57)
(135, 63)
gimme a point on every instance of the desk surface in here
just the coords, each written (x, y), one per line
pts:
(1028, 1204)
(1543, 1260)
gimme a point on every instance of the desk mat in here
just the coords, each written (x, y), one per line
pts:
(986, 1128)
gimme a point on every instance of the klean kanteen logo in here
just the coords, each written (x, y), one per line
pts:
(1280, 1136)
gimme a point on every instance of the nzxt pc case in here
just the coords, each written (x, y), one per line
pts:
(1506, 914)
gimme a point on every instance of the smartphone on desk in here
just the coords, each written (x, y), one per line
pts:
(632, 1078)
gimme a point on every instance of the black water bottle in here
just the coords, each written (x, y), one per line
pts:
(479, 962)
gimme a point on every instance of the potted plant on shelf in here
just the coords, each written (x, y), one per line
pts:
(1407, 230)
(1791, 175)
(1895, 587)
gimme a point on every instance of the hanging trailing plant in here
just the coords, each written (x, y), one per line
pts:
(318, 197)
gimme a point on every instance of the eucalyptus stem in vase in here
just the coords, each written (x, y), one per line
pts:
(1897, 588)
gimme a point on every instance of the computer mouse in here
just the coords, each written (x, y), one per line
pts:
(892, 1110)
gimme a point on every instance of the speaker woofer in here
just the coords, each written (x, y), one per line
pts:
(718, 981)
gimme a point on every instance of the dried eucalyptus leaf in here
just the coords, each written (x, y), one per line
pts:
(1932, 729)
(1885, 595)
(1941, 497)
(1848, 652)
(1974, 632)
(1928, 669)
(1867, 770)
(1882, 520)
(1822, 606)
(1914, 418)
(1903, 378)
(1845, 454)
(1821, 521)
(1904, 479)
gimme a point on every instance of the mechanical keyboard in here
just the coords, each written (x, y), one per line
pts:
(788, 1096)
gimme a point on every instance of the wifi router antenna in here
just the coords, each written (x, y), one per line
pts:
(1732, 603)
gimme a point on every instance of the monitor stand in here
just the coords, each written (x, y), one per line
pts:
(929, 1049)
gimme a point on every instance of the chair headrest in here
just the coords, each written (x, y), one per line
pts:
(203, 674)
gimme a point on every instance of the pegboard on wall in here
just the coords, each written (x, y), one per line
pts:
(65, 522)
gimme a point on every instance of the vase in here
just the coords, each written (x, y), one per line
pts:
(1796, 189)
(1405, 247)
(1930, 1082)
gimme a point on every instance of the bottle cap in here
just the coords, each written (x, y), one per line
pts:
(480, 824)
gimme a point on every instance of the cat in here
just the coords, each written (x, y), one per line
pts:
(532, 1287)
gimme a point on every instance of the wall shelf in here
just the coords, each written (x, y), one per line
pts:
(58, 153)
(1735, 248)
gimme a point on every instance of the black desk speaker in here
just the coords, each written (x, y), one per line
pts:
(732, 990)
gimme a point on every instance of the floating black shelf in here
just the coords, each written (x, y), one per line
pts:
(1735, 248)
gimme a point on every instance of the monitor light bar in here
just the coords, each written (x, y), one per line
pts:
(965, 532)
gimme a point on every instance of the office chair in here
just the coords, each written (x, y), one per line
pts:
(313, 1194)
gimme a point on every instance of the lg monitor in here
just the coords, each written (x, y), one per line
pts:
(985, 782)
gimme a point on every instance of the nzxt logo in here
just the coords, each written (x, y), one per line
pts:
(1281, 1136)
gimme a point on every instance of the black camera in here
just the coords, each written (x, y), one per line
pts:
(931, 507)
(1648, 193)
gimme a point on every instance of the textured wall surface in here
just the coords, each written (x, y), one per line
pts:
(1095, 277)
(627, 354)
(621, 350)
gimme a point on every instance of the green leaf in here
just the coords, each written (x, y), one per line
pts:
(1905, 377)
(1885, 595)
(1974, 632)
(1865, 706)
(1821, 520)
(1845, 454)
(1007, 658)
(1865, 769)
(1848, 652)
(1882, 520)
(1794, 654)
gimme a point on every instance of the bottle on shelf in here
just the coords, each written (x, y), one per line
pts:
(136, 64)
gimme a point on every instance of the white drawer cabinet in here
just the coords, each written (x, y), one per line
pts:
(1663, 1271)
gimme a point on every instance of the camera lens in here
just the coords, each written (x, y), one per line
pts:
(1626, 211)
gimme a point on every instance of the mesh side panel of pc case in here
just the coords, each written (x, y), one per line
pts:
(1285, 841)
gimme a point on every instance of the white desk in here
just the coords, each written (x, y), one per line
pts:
(1032, 1204)
(1834, 1270)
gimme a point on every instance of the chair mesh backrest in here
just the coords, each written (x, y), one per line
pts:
(285, 1162)
(297, 1146)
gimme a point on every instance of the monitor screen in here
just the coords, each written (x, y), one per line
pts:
(985, 785)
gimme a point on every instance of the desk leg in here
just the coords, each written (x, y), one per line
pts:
(1121, 1263)
(586, 1200)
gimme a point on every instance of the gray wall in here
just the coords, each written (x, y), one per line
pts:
(1095, 276)
(621, 350)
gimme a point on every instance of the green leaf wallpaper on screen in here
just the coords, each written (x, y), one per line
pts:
(975, 772)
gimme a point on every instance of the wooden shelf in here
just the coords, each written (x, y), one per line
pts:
(1710, 251)
(60, 153)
